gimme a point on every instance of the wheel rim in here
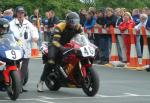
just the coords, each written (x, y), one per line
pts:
(88, 83)
(50, 81)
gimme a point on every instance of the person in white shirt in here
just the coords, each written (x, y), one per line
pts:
(24, 33)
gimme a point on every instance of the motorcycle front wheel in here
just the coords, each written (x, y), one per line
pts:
(13, 90)
(90, 83)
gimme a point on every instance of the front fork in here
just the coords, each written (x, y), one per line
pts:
(6, 73)
(84, 67)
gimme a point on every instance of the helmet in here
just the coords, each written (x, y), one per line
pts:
(4, 26)
(72, 19)
(19, 9)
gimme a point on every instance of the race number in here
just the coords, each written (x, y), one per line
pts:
(87, 51)
(13, 54)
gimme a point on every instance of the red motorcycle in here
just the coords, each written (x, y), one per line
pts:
(75, 68)
(10, 55)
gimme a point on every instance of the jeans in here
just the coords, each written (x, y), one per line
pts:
(40, 39)
(24, 68)
(138, 46)
(121, 47)
(104, 45)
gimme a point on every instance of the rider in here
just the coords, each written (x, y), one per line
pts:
(62, 34)
(4, 26)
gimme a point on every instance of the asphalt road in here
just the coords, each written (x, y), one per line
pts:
(116, 86)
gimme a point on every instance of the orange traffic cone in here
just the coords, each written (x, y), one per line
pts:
(114, 52)
(146, 56)
(133, 62)
(35, 50)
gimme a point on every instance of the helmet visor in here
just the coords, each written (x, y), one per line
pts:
(74, 21)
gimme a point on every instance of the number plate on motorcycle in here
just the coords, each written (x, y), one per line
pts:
(87, 51)
(13, 54)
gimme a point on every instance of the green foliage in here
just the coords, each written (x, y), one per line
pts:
(61, 6)
(129, 4)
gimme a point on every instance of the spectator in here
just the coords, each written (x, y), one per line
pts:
(1, 12)
(100, 38)
(143, 22)
(146, 10)
(36, 20)
(125, 25)
(136, 16)
(8, 14)
(89, 24)
(45, 24)
(52, 21)
(119, 12)
(23, 31)
(90, 20)
(110, 21)
(82, 16)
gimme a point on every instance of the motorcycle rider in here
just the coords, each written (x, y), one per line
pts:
(24, 32)
(4, 26)
(62, 34)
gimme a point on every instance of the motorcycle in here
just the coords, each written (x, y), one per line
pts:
(75, 68)
(10, 56)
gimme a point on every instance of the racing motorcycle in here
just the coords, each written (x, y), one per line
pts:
(10, 56)
(75, 68)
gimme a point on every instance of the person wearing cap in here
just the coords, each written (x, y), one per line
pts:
(24, 32)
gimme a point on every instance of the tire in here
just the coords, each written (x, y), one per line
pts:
(26, 78)
(52, 81)
(90, 84)
(148, 69)
(14, 89)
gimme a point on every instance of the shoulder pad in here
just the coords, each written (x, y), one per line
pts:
(61, 26)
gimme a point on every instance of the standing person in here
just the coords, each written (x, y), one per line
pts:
(45, 24)
(24, 32)
(52, 21)
(90, 23)
(145, 22)
(125, 25)
(82, 15)
(1, 12)
(36, 20)
(100, 38)
(110, 21)
(136, 19)
(119, 12)
(8, 14)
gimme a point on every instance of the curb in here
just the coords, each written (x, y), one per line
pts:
(125, 67)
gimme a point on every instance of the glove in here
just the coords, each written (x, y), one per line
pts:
(20, 43)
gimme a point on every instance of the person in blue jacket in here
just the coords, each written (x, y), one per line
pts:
(90, 20)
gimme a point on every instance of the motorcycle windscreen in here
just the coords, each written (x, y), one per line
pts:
(9, 48)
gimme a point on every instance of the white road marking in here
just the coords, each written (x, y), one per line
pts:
(32, 99)
(137, 95)
(44, 101)
(97, 96)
